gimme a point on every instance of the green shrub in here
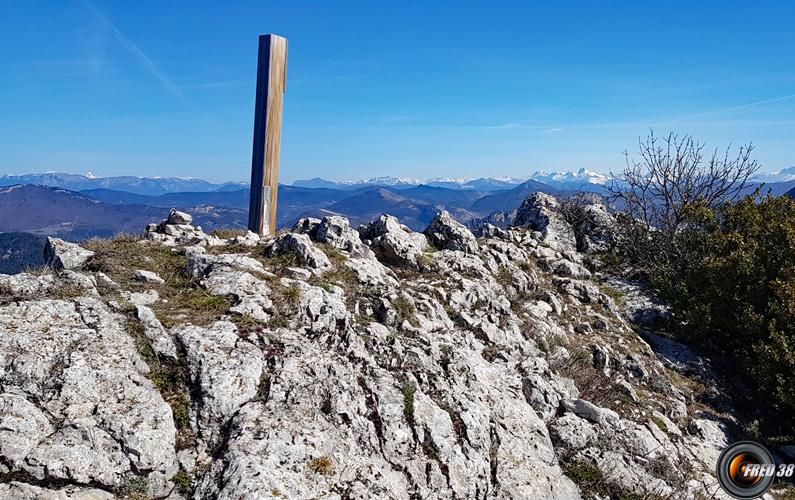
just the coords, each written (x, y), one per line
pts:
(134, 488)
(735, 297)
(182, 481)
(592, 482)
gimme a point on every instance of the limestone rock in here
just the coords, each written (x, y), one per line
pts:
(319, 309)
(176, 229)
(637, 303)
(60, 254)
(337, 232)
(175, 217)
(360, 379)
(79, 406)
(148, 277)
(249, 239)
(201, 264)
(226, 367)
(308, 254)
(307, 225)
(22, 491)
(27, 285)
(541, 212)
(565, 267)
(162, 343)
(490, 231)
(597, 230)
(591, 412)
(393, 242)
(446, 233)
(298, 273)
(252, 295)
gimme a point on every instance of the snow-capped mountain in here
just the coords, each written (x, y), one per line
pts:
(570, 179)
(396, 182)
(783, 175)
(579, 179)
(152, 186)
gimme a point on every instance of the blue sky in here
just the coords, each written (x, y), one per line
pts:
(409, 88)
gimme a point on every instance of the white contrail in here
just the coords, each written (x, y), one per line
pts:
(743, 106)
(142, 57)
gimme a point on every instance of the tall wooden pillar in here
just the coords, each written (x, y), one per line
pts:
(271, 74)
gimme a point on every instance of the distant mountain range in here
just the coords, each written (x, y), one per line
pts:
(74, 216)
(77, 215)
(581, 179)
(76, 207)
(784, 175)
(152, 186)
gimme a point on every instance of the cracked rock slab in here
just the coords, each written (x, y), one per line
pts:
(227, 370)
(79, 406)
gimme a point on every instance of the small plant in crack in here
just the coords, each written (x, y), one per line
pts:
(183, 481)
(492, 352)
(323, 465)
(504, 276)
(292, 295)
(179, 408)
(408, 389)
(404, 309)
(134, 489)
(326, 403)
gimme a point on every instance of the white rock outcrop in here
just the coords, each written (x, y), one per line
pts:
(541, 212)
(446, 233)
(60, 254)
(393, 242)
(332, 363)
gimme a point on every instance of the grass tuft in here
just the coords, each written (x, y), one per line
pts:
(404, 309)
(408, 389)
(323, 465)
(182, 481)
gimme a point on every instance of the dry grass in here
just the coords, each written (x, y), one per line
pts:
(504, 277)
(279, 263)
(121, 256)
(594, 385)
(228, 233)
(408, 389)
(323, 465)
(182, 298)
(405, 310)
(286, 301)
(593, 483)
(334, 255)
(231, 248)
(7, 295)
(616, 295)
(170, 377)
(342, 276)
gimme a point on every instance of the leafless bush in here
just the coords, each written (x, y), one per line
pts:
(670, 186)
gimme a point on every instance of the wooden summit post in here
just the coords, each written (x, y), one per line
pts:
(271, 73)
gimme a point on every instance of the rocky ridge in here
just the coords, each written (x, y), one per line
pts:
(331, 362)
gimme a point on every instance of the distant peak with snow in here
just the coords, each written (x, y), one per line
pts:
(562, 180)
(581, 176)
(783, 175)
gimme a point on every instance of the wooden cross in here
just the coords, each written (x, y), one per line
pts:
(271, 74)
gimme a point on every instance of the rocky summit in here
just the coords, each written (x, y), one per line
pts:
(335, 362)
